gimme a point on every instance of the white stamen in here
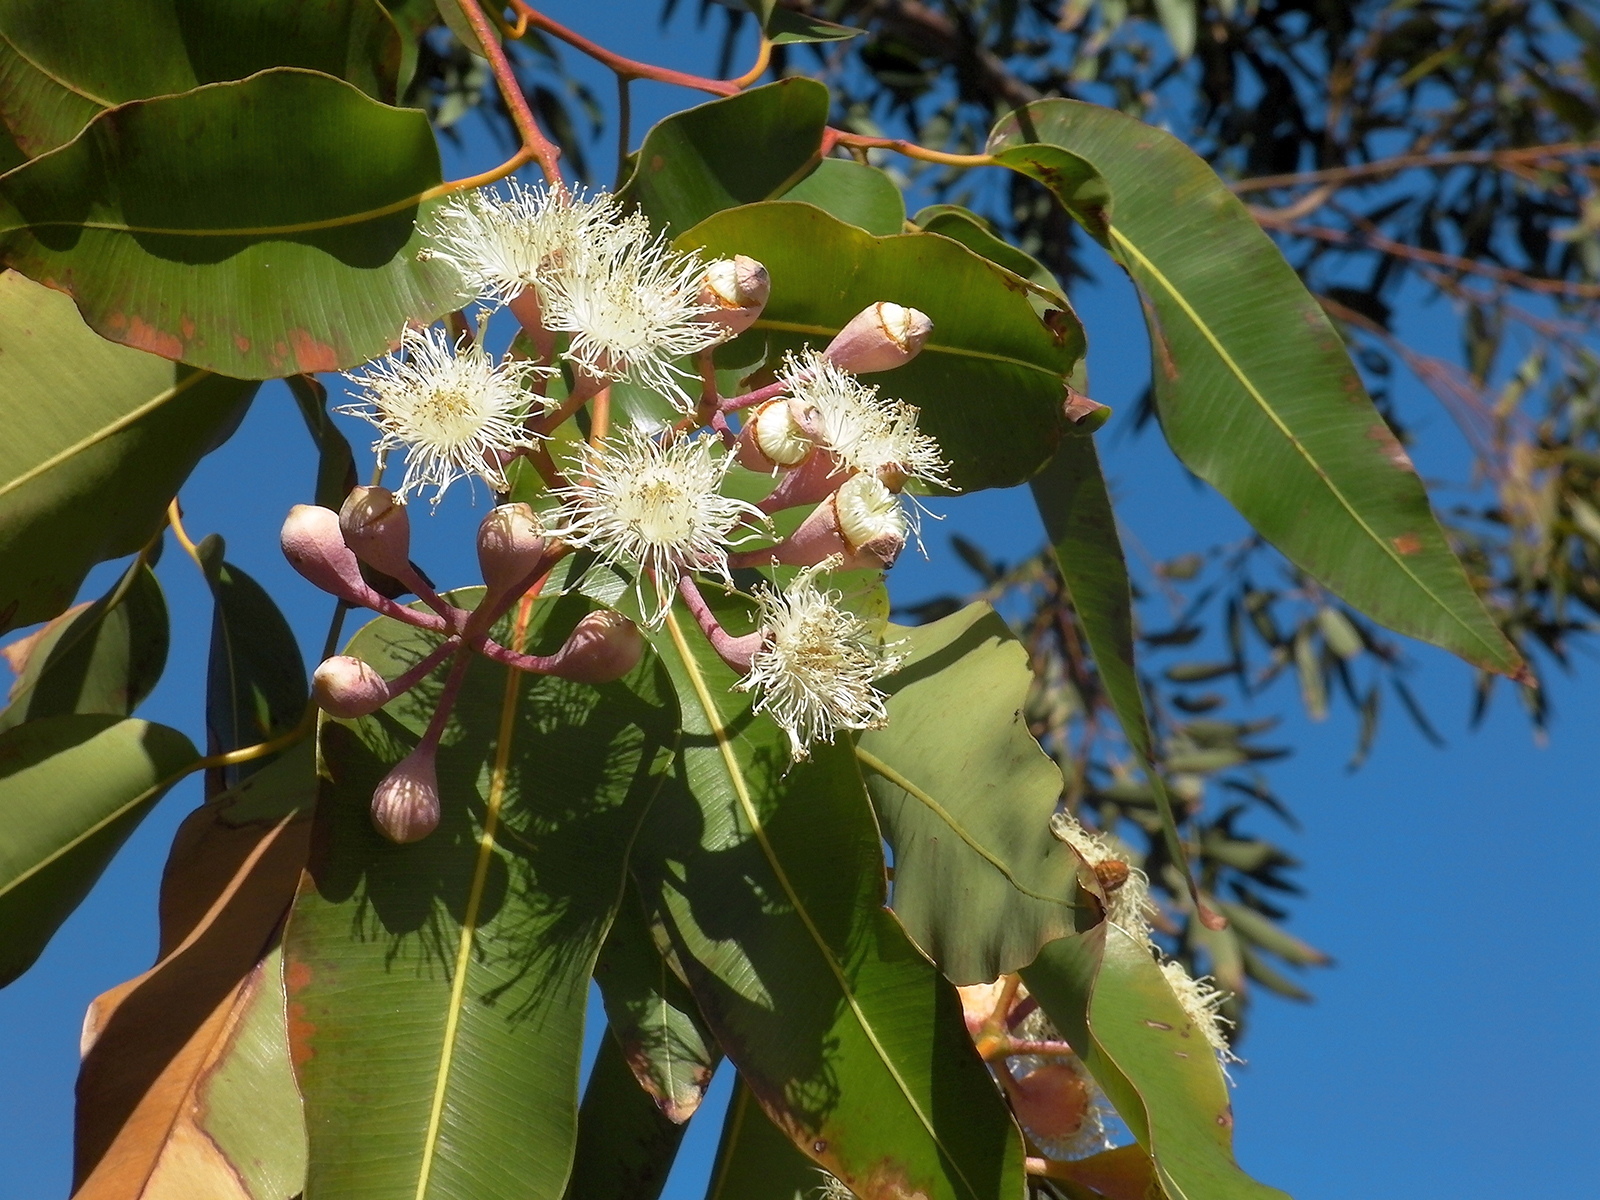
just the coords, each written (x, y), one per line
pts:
(1201, 1002)
(1128, 906)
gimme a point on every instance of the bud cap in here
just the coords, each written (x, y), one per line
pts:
(880, 337)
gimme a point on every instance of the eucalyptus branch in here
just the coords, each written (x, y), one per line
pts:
(1339, 176)
(534, 143)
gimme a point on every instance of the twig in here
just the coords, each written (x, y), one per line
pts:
(1406, 162)
(533, 140)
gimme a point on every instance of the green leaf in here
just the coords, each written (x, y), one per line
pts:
(439, 988)
(1179, 19)
(755, 1161)
(1254, 388)
(626, 1146)
(260, 228)
(1112, 1003)
(855, 193)
(769, 879)
(336, 464)
(104, 658)
(990, 378)
(1076, 508)
(653, 1017)
(66, 61)
(72, 788)
(749, 147)
(783, 26)
(967, 228)
(255, 680)
(964, 795)
(98, 438)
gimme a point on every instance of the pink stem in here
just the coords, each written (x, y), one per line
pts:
(404, 683)
(447, 701)
(736, 652)
(735, 403)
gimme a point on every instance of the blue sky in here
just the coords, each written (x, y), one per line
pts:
(1450, 1051)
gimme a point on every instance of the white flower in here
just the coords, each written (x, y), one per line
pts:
(860, 428)
(1201, 1002)
(503, 245)
(817, 664)
(633, 308)
(656, 506)
(454, 410)
(1128, 903)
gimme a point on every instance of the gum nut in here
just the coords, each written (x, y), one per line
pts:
(510, 544)
(1050, 1102)
(880, 337)
(376, 526)
(405, 806)
(343, 686)
(602, 647)
(314, 546)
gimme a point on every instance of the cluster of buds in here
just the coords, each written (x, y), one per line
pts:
(374, 529)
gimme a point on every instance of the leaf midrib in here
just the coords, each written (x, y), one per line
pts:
(1221, 351)
(736, 777)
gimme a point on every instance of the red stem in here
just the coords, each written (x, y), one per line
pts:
(736, 652)
(626, 67)
(533, 139)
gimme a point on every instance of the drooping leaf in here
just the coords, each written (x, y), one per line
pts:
(755, 1161)
(769, 880)
(964, 795)
(104, 658)
(749, 147)
(653, 1017)
(255, 680)
(989, 380)
(626, 1145)
(336, 464)
(261, 228)
(66, 61)
(854, 192)
(72, 788)
(1109, 998)
(1075, 505)
(437, 990)
(186, 1084)
(98, 437)
(1255, 390)
(783, 26)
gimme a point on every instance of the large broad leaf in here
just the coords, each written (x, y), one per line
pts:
(101, 658)
(437, 990)
(255, 682)
(754, 1159)
(97, 439)
(769, 878)
(653, 1017)
(72, 789)
(260, 228)
(854, 192)
(1254, 388)
(991, 378)
(186, 1086)
(1109, 998)
(626, 1146)
(65, 61)
(1076, 507)
(965, 795)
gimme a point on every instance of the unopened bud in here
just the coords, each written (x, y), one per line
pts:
(880, 337)
(736, 289)
(314, 546)
(602, 647)
(405, 806)
(346, 687)
(771, 438)
(375, 525)
(510, 545)
(1051, 1102)
(870, 518)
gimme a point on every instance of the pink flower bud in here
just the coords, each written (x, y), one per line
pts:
(603, 646)
(771, 438)
(314, 546)
(880, 337)
(861, 524)
(510, 545)
(375, 525)
(737, 289)
(405, 806)
(346, 687)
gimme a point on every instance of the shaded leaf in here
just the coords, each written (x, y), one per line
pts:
(626, 1145)
(854, 192)
(336, 464)
(953, 221)
(755, 1161)
(66, 61)
(437, 990)
(184, 225)
(186, 1085)
(965, 795)
(98, 439)
(991, 363)
(72, 788)
(1256, 392)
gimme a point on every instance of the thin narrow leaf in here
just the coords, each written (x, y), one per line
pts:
(755, 1161)
(336, 464)
(626, 1146)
